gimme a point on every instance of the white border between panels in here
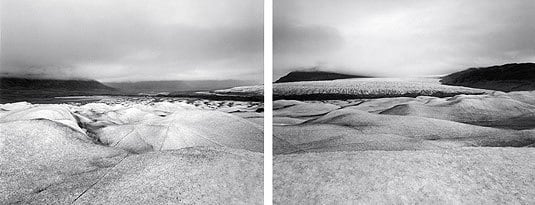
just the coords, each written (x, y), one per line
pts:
(268, 101)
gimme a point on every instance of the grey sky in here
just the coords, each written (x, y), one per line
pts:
(401, 38)
(118, 40)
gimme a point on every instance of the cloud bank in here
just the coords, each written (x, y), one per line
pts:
(401, 38)
(122, 40)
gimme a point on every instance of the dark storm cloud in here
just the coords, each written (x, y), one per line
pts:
(134, 40)
(401, 38)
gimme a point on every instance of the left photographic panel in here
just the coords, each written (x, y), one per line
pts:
(131, 102)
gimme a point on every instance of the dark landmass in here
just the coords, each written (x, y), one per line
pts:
(155, 87)
(296, 76)
(14, 89)
(508, 77)
(45, 91)
(216, 96)
(56, 84)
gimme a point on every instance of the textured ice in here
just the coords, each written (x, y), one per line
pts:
(446, 176)
(161, 153)
(411, 123)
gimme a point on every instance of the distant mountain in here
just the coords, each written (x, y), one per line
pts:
(54, 84)
(314, 75)
(508, 77)
(15, 89)
(176, 86)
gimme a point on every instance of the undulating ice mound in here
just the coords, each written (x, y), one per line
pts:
(380, 104)
(59, 154)
(420, 123)
(46, 162)
(465, 149)
(301, 109)
(160, 108)
(56, 113)
(255, 117)
(332, 138)
(522, 96)
(15, 106)
(291, 112)
(185, 176)
(140, 128)
(280, 104)
(352, 133)
(287, 120)
(453, 176)
(121, 116)
(185, 129)
(485, 110)
(164, 126)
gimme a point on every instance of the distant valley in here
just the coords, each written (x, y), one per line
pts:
(38, 90)
(154, 87)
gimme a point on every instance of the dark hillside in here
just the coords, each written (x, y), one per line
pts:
(508, 77)
(296, 76)
(28, 83)
(14, 89)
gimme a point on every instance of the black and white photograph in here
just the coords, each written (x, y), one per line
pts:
(403, 102)
(131, 102)
(267, 102)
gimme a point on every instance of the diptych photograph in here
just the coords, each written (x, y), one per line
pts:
(267, 102)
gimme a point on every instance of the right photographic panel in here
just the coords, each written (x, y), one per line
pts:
(403, 102)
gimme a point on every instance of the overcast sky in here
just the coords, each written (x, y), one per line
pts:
(124, 40)
(402, 38)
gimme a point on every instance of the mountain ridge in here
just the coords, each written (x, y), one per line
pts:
(507, 77)
(315, 75)
(60, 84)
